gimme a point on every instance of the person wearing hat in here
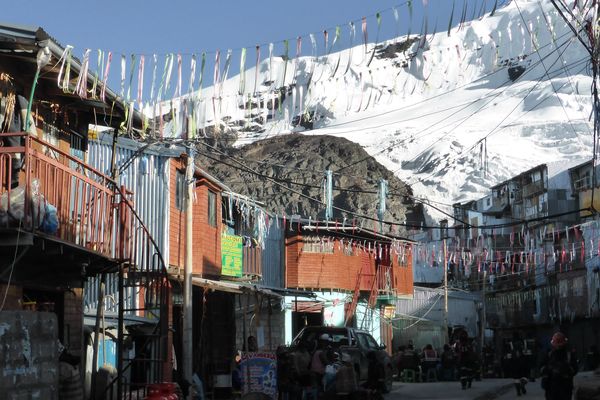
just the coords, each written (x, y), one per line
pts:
(558, 370)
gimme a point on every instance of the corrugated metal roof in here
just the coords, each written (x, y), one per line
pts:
(427, 305)
(20, 31)
(22, 39)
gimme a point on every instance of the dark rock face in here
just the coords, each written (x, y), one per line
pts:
(298, 164)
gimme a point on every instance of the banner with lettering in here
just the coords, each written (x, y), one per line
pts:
(231, 255)
(259, 374)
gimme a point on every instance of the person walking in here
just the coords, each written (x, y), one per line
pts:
(467, 364)
(558, 370)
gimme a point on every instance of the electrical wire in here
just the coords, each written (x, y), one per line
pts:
(500, 88)
(12, 267)
(391, 223)
(495, 129)
(529, 91)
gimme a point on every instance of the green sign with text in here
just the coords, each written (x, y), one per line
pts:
(231, 255)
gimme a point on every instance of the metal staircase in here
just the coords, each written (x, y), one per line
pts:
(142, 348)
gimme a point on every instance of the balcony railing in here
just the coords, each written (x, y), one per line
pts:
(45, 190)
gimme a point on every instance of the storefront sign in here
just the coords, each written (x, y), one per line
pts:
(231, 255)
(259, 374)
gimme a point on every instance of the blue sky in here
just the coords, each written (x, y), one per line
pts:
(193, 26)
(134, 27)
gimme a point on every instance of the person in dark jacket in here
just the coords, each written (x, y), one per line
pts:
(467, 365)
(592, 358)
(558, 370)
(448, 364)
(519, 371)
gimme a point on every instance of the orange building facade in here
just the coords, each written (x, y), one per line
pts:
(207, 227)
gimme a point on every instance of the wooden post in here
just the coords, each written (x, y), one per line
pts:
(99, 313)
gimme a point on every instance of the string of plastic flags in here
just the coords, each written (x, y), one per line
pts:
(520, 252)
(259, 97)
(253, 216)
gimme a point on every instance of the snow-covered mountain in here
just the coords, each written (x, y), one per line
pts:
(448, 114)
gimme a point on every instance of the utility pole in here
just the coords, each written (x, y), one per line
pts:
(483, 321)
(187, 339)
(446, 338)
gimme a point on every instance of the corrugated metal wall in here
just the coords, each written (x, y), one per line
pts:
(272, 255)
(429, 305)
(147, 177)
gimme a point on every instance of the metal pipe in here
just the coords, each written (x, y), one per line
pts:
(188, 349)
(445, 292)
(99, 307)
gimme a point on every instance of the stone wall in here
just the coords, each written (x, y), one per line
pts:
(29, 353)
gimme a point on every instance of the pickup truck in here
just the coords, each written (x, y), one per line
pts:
(294, 360)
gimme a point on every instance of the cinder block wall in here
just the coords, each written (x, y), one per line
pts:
(261, 319)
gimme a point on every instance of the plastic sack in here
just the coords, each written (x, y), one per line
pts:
(38, 204)
(16, 211)
(329, 377)
(50, 222)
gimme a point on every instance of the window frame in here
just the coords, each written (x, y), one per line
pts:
(211, 218)
(180, 190)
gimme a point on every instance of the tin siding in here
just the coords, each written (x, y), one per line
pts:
(272, 256)
(147, 177)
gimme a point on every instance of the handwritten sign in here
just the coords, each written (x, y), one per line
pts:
(231, 255)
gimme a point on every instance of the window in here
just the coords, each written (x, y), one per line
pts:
(317, 244)
(367, 341)
(180, 190)
(212, 208)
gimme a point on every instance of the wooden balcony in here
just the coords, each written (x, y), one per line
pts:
(47, 192)
(533, 189)
(252, 262)
(385, 280)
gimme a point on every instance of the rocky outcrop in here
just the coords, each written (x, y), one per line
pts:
(288, 173)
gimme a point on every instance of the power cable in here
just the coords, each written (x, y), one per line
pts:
(392, 223)
(418, 180)
(429, 127)
(12, 266)
(544, 66)
(482, 107)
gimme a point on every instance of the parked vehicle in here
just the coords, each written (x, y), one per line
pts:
(294, 360)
